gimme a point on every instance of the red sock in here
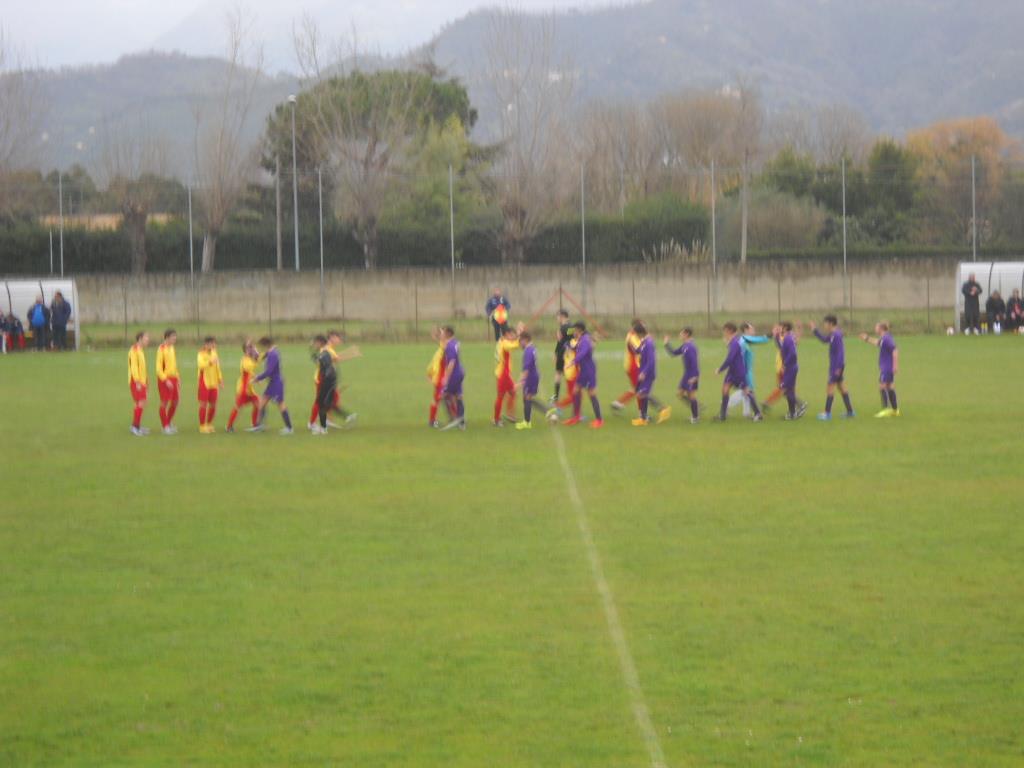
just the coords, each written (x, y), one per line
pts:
(433, 411)
(137, 417)
(232, 417)
(171, 410)
(510, 405)
(315, 413)
(210, 410)
(202, 414)
(625, 397)
(497, 408)
(163, 416)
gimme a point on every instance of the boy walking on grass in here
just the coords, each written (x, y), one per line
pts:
(735, 371)
(888, 367)
(833, 336)
(691, 371)
(645, 377)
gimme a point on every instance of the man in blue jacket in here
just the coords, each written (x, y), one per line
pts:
(39, 322)
(60, 314)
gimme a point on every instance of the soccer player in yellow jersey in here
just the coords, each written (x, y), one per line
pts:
(245, 392)
(138, 380)
(435, 375)
(210, 381)
(168, 380)
(631, 365)
(571, 374)
(508, 342)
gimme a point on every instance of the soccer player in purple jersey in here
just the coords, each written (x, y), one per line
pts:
(275, 386)
(888, 367)
(691, 371)
(647, 372)
(735, 371)
(529, 381)
(452, 379)
(785, 340)
(586, 379)
(833, 336)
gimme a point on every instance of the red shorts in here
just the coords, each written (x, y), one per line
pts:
(169, 389)
(244, 398)
(206, 395)
(634, 376)
(138, 392)
(506, 386)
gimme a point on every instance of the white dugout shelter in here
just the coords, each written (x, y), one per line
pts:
(18, 295)
(1002, 276)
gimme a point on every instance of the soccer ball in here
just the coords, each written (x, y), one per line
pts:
(553, 417)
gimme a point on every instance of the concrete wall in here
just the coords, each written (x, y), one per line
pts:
(625, 289)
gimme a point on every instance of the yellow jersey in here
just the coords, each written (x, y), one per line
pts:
(137, 365)
(247, 371)
(166, 363)
(503, 355)
(630, 360)
(436, 368)
(570, 361)
(209, 368)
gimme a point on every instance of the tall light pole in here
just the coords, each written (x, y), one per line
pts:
(295, 184)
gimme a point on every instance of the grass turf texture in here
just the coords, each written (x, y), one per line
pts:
(843, 593)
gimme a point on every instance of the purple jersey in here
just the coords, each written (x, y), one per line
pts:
(836, 349)
(531, 375)
(787, 348)
(886, 348)
(648, 364)
(272, 375)
(451, 355)
(585, 364)
(688, 351)
(734, 365)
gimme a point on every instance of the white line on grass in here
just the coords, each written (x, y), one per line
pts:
(611, 614)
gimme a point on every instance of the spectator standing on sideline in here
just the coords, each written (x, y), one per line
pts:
(972, 305)
(60, 314)
(995, 312)
(1014, 311)
(39, 322)
(497, 309)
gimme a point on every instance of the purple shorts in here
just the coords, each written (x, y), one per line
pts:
(836, 377)
(531, 387)
(887, 377)
(454, 386)
(788, 383)
(275, 391)
(643, 388)
(684, 385)
(587, 380)
(736, 382)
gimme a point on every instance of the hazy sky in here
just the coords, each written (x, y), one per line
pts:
(62, 32)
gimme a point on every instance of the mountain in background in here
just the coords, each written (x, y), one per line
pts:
(901, 63)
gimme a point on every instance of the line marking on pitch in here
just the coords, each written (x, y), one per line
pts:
(611, 614)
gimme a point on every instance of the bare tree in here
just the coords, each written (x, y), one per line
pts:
(21, 115)
(620, 152)
(224, 163)
(133, 161)
(533, 93)
(841, 132)
(365, 126)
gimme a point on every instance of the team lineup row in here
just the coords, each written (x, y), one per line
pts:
(575, 367)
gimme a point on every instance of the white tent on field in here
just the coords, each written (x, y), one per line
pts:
(17, 296)
(1002, 276)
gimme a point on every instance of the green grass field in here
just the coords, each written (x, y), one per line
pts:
(791, 593)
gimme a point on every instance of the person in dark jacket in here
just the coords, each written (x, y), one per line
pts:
(972, 304)
(995, 312)
(1014, 311)
(60, 314)
(497, 310)
(15, 333)
(39, 321)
